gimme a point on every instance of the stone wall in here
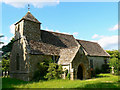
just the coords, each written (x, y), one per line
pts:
(20, 76)
(20, 50)
(31, 30)
(97, 61)
(34, 60)
(81, 59)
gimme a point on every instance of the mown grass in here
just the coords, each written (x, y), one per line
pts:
(102, 81)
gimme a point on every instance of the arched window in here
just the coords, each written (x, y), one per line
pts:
(17, 62)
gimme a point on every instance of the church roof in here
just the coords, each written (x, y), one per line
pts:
(58, 44)
(63, 45)
(51, 43)
(93, 48)
(29, 17)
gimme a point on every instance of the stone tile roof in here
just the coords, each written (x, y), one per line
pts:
(93, 48)
(43, 48)
(58, 39)
(29, 17)
(58, 44)
(51, 43)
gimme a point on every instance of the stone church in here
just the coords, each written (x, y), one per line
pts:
(33, 45)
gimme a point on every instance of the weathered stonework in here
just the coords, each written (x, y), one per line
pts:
(81, 59)
(19, 49)
(33, 45)
(33, 62)
(97, 61)
(31, 30)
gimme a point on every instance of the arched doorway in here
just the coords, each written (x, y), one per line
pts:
(80, 72)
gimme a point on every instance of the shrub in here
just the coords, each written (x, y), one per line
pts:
(66, 72)
(114, 63)
(5, 64)
(114, 60)
(54, 71)
(97, 71)
(105, 68)
(42, 70)
(68, 76)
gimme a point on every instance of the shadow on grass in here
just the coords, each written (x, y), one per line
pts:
(101, 76)
(102, 85)
(11, 82)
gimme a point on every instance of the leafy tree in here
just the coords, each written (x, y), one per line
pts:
(114, 63)
(5, 64)
(6, 55)
(42, 70)
(113, 53)
(54, 71)
(7, 48)
(114, 60)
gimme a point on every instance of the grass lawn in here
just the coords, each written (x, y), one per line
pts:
(102, 81)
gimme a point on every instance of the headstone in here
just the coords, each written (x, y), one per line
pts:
(113, 70)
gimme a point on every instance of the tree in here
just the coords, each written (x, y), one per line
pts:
(114, 60)
(114, 63)
(42, 70)
(5, 64)
(6, 55)
(54, 71)
(7, 48)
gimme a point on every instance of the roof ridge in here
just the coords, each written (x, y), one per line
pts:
(28, 16)
(57, 32)
(87, 41)
(93, 48)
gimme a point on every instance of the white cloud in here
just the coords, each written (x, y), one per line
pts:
(95, 36)
(5, 38)
(75, 33)
(5, 43)
(12, 29)
(108, 42)
(35, 3)
(115, 27)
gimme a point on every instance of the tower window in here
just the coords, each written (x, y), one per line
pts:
(17, 62)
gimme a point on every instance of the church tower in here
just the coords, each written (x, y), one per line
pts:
(29, 27)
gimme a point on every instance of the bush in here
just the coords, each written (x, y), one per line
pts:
(5, 64)
(42, 70)
(114, 60)
(54, 71)
(66, 72)
(105, 68)
(68, 76)
(114, 63)
(97, 71)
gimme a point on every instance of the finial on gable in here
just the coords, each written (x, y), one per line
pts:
(28, 7)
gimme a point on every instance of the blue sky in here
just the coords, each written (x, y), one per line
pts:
(93, 21)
